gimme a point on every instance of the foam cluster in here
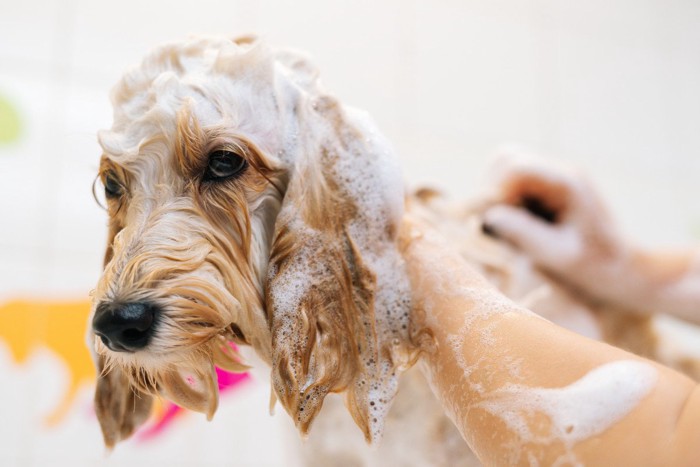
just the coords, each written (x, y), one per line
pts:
(340, 295)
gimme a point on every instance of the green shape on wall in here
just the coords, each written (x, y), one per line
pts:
(10, 123)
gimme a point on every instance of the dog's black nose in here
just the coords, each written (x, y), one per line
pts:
(124, 327)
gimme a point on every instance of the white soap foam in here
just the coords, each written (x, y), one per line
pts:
(366, 172)
(370, 174)
(584, 408)
(486, 306)
(294, 282)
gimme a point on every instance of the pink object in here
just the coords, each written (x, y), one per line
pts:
(227, 382)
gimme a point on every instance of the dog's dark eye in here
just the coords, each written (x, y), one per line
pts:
(223, 165)
(113, 189)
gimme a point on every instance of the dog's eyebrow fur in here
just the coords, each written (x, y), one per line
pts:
(115, 207)
(190, 144)
(193, 144)
(107, 165)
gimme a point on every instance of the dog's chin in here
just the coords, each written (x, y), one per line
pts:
(184, 376)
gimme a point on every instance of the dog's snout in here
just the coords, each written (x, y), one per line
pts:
(125, 327)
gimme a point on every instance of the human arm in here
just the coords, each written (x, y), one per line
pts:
(520, 388)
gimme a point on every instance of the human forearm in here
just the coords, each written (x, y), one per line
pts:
(520, 388)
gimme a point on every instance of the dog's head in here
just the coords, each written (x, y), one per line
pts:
(245, 206)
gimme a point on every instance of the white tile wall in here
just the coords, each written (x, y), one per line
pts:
(611, 86)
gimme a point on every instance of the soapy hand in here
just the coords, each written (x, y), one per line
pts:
(553, 214)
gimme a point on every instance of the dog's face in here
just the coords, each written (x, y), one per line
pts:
(245, 207)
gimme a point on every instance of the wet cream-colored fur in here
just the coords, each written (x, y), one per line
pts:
(296, 256)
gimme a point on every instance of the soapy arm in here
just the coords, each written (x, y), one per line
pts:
(521, 389)
(554, 215)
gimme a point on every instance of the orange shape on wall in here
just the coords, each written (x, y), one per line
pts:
(57, 326)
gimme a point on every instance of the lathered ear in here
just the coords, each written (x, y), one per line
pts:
(120, 407)
(194, 388)
(337, 295)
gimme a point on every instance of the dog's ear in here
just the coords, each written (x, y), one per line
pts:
(337, 296)
(120, 407)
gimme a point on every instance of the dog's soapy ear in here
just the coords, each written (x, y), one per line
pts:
(120, 407)
(337, 295)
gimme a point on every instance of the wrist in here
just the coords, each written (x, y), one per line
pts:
(645, 281)
(672, 281)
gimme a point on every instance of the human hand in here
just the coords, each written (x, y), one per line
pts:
(553, 214)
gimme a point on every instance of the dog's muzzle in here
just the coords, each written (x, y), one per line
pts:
(125, 327)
